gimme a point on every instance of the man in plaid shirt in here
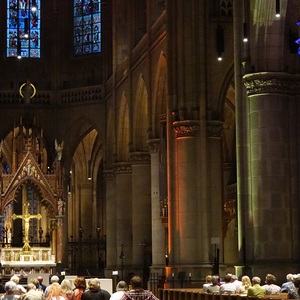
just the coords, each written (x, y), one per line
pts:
(137, 292)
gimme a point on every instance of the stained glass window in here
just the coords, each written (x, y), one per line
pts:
(87, 26)
(23, 28)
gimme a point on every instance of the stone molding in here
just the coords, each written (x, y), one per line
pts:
(186, 128)
(139, 158)
(272, 83)
(122, 168)
(109, 175)
(214, 129)
(154, 146)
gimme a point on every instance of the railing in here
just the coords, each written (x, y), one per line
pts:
(46, 98)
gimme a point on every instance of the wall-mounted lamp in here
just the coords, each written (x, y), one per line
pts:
(89, 171)
(245, 35)
(277, 9)
(220, 42)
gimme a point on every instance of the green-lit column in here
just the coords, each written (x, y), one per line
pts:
(273, 208)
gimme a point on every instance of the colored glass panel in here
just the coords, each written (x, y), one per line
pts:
(87, 26)
(23, 28)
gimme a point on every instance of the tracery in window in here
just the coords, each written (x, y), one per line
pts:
(23, 28)
(87, 26)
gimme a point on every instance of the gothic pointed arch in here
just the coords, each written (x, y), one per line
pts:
(160, 95)
(141, 117)
(123, 130)
(29, 171)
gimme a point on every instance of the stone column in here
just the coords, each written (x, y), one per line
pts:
(272, 216)
(141, 206)
(124, 213)
(111, 224)
(158, 227)
(214, 163)
(185, 245)
(59, 239)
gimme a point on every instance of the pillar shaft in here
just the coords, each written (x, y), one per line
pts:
(158, 212)
(141, 208)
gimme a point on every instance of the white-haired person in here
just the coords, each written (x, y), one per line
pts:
(32, 293)
(10, 291)
(94, 291)
(121, 288)
(53, 279)
(20, 288)
(288, 283)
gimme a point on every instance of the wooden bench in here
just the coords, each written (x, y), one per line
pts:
(197, 294)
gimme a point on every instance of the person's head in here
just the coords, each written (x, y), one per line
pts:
(30, 286)
(10, 287)
(40, 279)
(290, 277)
(233, 278)
(55, 291)
(54, 279)
(80, 282)
(296, 281)
(215, 280)
(208, 279)
(121, 286)
(227, 278)
(136, 282)
(256, 280)
(270, 279)
(94, 284)
(35, 282)
(246, 281)
(15, 279)
(66, 286)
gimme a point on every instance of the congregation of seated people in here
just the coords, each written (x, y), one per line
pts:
(56, 290)
(253, 287)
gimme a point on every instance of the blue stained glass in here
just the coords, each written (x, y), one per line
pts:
(23, 28)
(87, 29)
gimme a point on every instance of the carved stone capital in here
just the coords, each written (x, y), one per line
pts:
(108, 175)
(272, 83)
(139, 158)
(214, 129)
(186, 128)
(122, 168)
(153, 145)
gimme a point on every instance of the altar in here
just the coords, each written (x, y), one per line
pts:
(38, 260)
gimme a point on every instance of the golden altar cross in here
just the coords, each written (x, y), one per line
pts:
(26, 217)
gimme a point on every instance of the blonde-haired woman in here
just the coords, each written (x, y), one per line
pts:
(246, 284)
(55, 292)
(67, 289)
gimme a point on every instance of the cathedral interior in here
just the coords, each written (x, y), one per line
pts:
(150, 137)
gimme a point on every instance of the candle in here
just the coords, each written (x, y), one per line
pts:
(172, 274)
(190, 274)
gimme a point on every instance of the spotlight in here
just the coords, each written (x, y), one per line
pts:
(219, 42)
(277, 8)
(245, 39)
